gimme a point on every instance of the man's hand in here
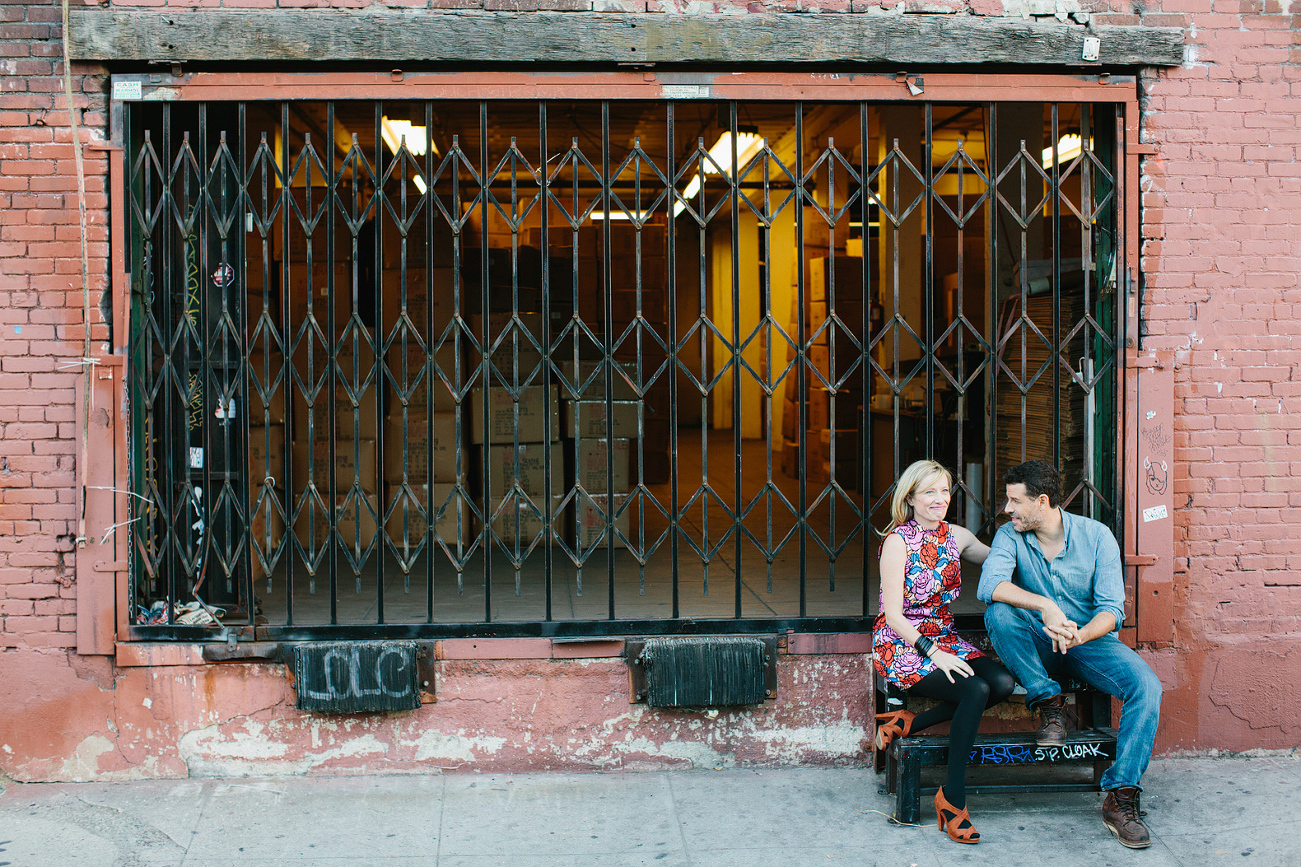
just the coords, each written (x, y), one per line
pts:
(1053, 616)
(1065, 636)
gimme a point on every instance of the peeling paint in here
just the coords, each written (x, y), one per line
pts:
(458, 747)
(83, 765)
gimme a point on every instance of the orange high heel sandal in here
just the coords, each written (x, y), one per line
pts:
(952, 824)
(895, 724)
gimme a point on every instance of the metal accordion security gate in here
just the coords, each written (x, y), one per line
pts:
(477, 366)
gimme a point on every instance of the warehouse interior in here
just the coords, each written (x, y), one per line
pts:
(464, 345)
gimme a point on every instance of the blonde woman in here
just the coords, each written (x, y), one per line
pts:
(916, 646)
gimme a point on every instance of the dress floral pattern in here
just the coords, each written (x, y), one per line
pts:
(932, 580)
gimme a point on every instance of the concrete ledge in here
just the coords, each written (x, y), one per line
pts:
(130, 654)
(816, 643)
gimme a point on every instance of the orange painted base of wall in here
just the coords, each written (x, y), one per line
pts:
(65, 717)
(84, 718)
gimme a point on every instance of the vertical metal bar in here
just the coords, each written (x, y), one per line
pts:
(168, 462)
(833, 392)
(865, 411)
(991, 309)
(486, 377)
(431, 380)
(895, 159)
(245, 207)
(548, 547)
(333, 536)
(607, 351)
(1055, 355)
(204, 352)
(735, 203)
(1127, 300)
(376, 374)
(286, 325)
(768, 320)
(801, 358)
(671, 269)
(928, 279)
(456, 156)
(708, 373)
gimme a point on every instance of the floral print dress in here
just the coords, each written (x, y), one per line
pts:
(932, 580)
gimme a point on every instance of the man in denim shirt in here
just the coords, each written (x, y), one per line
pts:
(1056, 600)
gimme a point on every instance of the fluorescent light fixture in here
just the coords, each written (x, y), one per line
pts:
(416, 138)
(598, 216)
(1068, 148)
(747, 145)
(394, 131)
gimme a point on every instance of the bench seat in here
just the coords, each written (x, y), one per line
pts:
(907, 756)
(1093, 740)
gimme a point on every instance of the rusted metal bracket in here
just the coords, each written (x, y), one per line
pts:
(251, 651)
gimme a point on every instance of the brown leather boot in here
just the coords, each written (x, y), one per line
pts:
(1122, 816)
(1052, 722)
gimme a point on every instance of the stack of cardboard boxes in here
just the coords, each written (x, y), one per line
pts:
(824, 369)
(599, 449)
(421, 469)
(353, 498)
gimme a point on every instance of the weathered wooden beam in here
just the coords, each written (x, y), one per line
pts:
(547, 37)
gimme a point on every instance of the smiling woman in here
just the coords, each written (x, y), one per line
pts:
(588, 366)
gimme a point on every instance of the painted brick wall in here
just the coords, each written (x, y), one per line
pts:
(1221, 256)
(40, 322)
(1221, 265)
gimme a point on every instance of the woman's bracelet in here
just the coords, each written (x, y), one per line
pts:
(924, 646)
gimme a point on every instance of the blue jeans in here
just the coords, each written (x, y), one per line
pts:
(1104, 663)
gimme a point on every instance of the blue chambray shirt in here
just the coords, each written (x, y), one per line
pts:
(1084, 580)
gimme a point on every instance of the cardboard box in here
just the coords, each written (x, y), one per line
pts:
(445, 527)
(348, 463)
(264, 464)
(790, 458)
(518, 523)
(428, 291)
(590, 469)
(517, 341)
(415, 379)
(420, 430)
(588, 419)
(350, 416)
(588, 384)
(588, 528)
(846, 445)
(533, 424)
(356, 351)
(532, 471)
(349, 514)
(264, 375)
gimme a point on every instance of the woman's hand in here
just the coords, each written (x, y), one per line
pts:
(950, 664)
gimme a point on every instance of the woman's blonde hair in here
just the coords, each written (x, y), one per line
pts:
(918, 472)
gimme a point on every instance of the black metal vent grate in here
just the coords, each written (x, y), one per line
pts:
(704, 672)
(356, 676)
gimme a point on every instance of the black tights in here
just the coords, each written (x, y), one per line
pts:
(962, 701)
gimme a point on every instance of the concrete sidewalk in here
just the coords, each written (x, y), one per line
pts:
(1203, 811)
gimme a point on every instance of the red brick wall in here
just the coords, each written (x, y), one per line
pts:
(40, 321)
(1220, 261)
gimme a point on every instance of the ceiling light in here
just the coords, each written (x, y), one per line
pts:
(1068, 148)
(417, 137)
(747, 145)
